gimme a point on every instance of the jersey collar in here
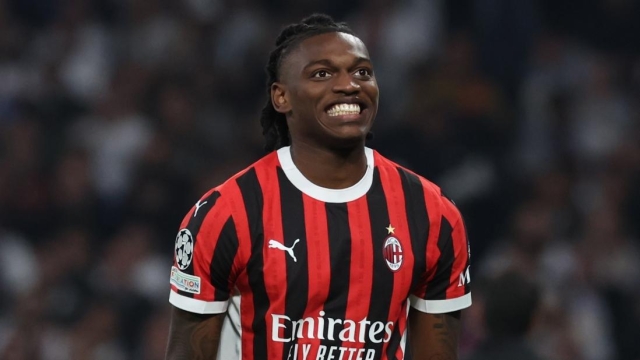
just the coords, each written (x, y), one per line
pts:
(298, 180)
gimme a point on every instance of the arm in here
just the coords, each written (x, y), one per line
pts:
(193, 336)
(434, 336)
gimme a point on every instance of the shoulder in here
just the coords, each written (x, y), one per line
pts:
(418, 186)
(229, 186)
(409, 178)
(227, 196)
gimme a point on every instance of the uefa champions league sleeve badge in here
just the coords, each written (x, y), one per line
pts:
(184, 249)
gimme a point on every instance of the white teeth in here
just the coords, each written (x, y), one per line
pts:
(344, 109)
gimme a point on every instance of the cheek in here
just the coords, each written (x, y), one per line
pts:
(372, 90)
(306, 100)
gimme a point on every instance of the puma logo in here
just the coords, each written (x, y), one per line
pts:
(274, 244)
(198, 206)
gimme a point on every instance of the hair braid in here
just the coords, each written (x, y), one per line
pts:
(274, 124)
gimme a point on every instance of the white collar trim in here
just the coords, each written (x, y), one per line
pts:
(298, 180)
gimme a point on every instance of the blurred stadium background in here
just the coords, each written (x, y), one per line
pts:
(116, 115)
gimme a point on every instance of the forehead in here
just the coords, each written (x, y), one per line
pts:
(335, 47)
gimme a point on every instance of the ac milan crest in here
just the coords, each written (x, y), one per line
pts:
(392, 253)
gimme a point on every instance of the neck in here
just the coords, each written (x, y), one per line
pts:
(330, 168)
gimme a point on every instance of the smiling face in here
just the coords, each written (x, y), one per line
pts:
(328, 91)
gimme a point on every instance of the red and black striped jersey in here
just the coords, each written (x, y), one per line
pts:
(316, 273)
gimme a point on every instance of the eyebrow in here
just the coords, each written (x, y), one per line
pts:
(328, 63)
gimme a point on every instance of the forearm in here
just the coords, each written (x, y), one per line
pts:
(435, 336)
(193, 336)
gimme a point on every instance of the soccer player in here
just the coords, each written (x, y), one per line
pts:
(323, 249)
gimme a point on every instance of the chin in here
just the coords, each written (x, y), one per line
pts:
(342, 134)
(347, 141)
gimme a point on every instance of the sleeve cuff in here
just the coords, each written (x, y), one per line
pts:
(197, 306)
(441, 306)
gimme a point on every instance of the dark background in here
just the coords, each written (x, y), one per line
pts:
(117, 115)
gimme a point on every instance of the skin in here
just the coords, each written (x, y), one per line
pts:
(193, 336)
(323, 70)
(434, 336)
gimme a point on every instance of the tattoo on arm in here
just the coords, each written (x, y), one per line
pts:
(204, 340)
(446, 328)
(193, 336)
(442, 339)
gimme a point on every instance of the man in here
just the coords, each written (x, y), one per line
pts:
(324, 241)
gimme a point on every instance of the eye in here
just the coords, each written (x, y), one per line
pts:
(364, 73)
(321, 74)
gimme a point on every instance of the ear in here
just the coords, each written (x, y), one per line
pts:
(279, 98)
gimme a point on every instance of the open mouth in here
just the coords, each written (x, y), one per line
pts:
(344, 109)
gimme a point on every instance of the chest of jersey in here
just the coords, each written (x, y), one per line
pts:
(332, 273)
(337, 256)
(330, 279)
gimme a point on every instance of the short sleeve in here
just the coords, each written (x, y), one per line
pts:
(203, 272)
(446, 284)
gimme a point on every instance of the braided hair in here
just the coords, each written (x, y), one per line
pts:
(274, 124)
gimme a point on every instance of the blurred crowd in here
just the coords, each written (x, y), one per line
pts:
(116, 115)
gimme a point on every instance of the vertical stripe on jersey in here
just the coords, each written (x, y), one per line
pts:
(319, 263)
(397, 344)
(274, 260)
(383, 277)
(236, 204)
(397, 209)
(467, 284)
(361, 266)
(340, 256)
(224, 255)
(433, 200)
(459, 250)
(294, 237)
(418, 223)
(460, 257)
(437, 287)
(253, 203)
(193, 224)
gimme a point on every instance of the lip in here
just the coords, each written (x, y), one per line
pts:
(346, 118)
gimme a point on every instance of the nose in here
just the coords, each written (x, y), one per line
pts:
(345, 84)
